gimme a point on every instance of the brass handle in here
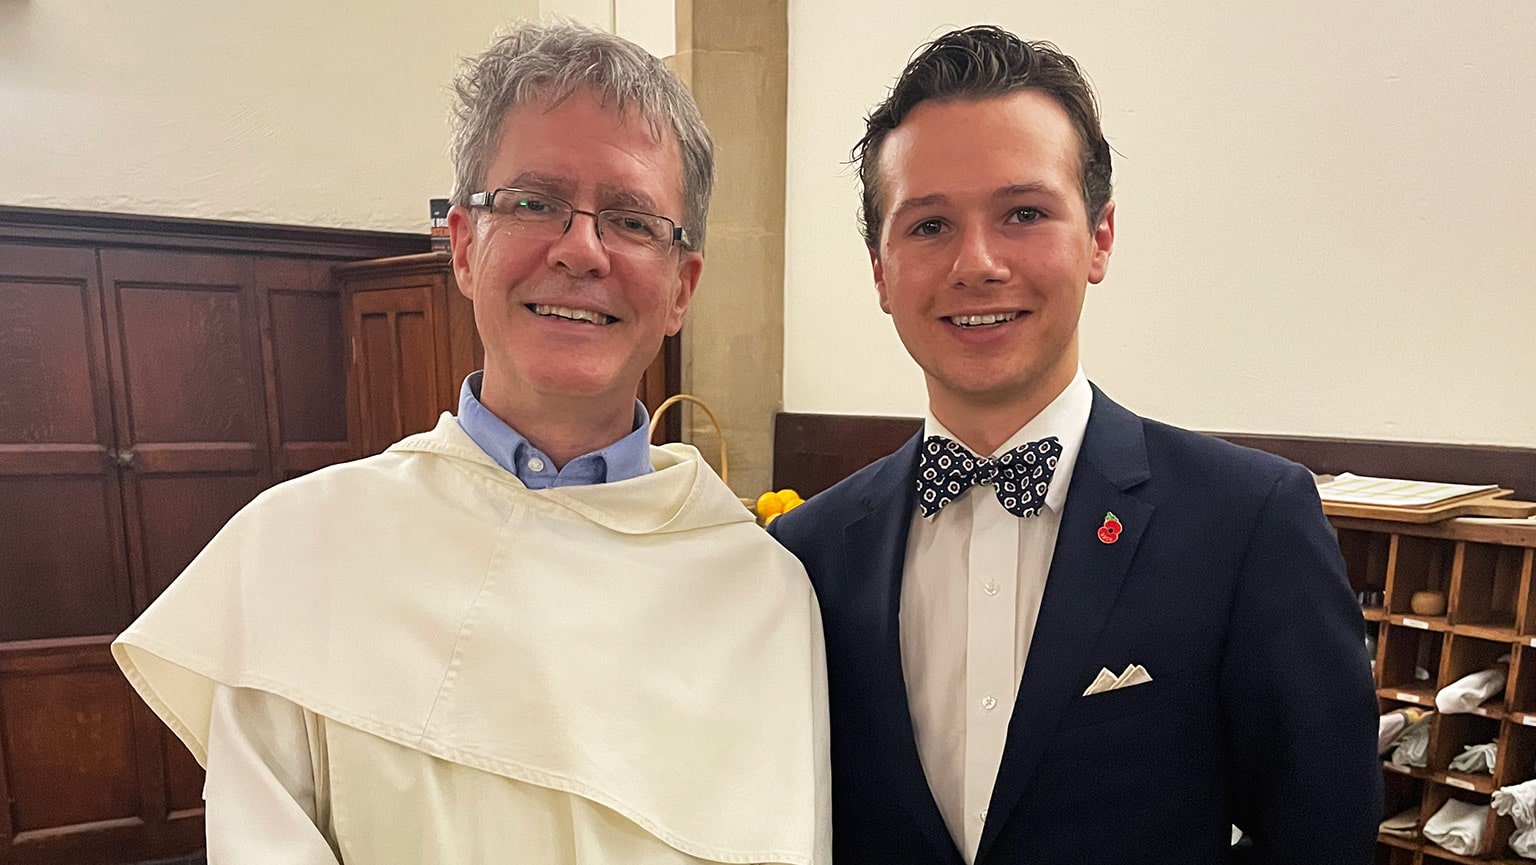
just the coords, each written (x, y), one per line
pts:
(125, 458)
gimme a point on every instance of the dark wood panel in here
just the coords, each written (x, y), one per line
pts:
(398, 382)
(54, 459)
(61, 564)
(183, 777)
(419, 385)
(115, 229)
(304, 457)
(179, 514)
(184, 381)
(813, 451)
(46, 333)
(310, 366)
(69, 749)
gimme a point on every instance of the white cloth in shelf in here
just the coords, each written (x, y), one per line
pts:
(1459, 827)
(1523, 843)
(1413, 745)
(1469, 692)
(1404, 825)
(1518, 802)
(1393, 724)
(1477, 759)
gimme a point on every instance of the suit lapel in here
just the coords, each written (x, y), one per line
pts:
(1080, 592)
(875, 550)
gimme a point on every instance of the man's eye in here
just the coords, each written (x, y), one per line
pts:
(1025, 215)
(928, 228)
(531, 205)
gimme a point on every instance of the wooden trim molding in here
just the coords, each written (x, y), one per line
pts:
(49, 225)
(813, 451)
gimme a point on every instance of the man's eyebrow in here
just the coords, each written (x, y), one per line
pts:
(622, 198)
(540, 182)
(1015, 190)
(920, 201)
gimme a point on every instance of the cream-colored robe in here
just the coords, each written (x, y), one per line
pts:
(624, 672)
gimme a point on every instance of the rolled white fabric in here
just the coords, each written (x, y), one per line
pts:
(1413, 745)
(1523, 843)
(1469, 692)
(1477, 759)
(1517, 802)
(1458, 827)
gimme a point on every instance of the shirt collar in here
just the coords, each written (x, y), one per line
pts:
(1066, 418)
(629, 457)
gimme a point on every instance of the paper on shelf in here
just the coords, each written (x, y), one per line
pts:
(1392, 492)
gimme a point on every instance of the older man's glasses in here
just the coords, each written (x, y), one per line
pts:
(544, 217)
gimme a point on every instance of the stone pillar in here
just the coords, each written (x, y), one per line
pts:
(735, 56)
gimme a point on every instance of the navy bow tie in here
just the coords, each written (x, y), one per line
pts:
(946, 469)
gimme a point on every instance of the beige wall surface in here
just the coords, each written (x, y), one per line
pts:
(330, 114)
(1325, 211)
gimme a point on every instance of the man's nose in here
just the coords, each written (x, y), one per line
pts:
(977, 259)
(580, 251)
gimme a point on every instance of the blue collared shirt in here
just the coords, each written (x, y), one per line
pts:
(629, 457)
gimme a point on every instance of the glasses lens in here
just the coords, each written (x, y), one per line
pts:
(532, 211)
(632, 231)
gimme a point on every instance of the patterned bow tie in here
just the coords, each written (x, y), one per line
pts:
(945, 470)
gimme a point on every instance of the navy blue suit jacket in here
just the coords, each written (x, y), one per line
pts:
(1226, 584)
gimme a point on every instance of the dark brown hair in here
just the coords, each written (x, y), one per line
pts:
(978, 63)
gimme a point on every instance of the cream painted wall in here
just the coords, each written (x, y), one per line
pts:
(279, 111)
(1326, 211)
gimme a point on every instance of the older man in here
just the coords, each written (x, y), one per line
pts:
(526, 635)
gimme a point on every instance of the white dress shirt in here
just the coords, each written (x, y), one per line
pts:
(970, 594)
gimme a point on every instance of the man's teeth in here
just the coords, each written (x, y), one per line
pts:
(573, 314)
(978, 320)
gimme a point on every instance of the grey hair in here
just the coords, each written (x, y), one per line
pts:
(547, 62)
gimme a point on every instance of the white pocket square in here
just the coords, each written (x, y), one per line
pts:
(1134, 674)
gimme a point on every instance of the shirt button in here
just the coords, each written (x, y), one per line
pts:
(989, 702)
(536, 465)
(983, 815)
(990, 588)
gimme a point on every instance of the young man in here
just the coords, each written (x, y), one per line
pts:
(525, 636)
(1058, 632)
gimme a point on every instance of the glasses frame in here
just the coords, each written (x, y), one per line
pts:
(487, 201)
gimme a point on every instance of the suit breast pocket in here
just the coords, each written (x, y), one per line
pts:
(1164, 691)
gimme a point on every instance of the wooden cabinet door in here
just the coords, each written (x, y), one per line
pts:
(73, 784)
(193, 448)
(304, 348)
(399, 385)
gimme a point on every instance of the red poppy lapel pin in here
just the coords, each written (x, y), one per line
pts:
(1110, 531)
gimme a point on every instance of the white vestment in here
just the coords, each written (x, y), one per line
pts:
(622, 672)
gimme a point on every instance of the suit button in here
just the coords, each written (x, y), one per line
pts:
(989, 702)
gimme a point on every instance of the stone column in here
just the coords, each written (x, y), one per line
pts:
(735, 56)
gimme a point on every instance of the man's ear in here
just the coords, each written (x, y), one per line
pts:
(1103, 243)
(461, 236)
(688, 271)
(879, 270)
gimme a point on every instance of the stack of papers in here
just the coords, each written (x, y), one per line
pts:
(1394, 493)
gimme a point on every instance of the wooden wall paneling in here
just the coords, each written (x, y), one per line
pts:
(398, 383)
(192, 422)
(304, 355)
(71, 744)
(62, 567)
